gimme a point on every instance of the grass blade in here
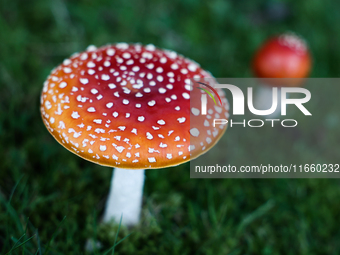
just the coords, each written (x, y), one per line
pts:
(53, 236)
(16, 247)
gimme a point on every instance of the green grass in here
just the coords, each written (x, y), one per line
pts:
(51, 201)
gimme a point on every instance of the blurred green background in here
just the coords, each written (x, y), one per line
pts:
(41, 183)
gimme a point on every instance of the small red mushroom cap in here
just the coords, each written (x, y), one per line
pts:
(284, 56)
(128, 106)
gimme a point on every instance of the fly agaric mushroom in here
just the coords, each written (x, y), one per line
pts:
(282, 61)
(128, 107)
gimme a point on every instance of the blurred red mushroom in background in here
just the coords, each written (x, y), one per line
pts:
(128, 106)
(282, 61)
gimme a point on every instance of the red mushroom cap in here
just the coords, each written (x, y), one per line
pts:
(128, 106)
(285, 56)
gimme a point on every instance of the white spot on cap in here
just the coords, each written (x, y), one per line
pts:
(162, 90)
(141, 118)
(163, 60)
(192, 67)
(99, 130)
(160, 78)
(48, 105)
(62, 85)
(120, 149)
(170, 86)
(122, 46)
(84, 81)
(110, 52)
(112, 86)
(135, 68)
(186, 95)
(194, 132)
(90, 64)
(137, 86)
(195, 111)
(174, 66)
(150, 66)
(150, 47)
(149, 136)
(61, 125)
(191, 147)
(91, 48)
(134, 131)
(83, 56)
(161, 122)
(67, 70)
(125, 101)
(163, 145)
(184, 71)
(98, 121)
(126, 55)
(122, 128)
(115, 114)
(152, 103)
(188, 87)
(126, 90)
(152, 160)
(91, 109)
(102, 147)
(75, 115)
(105, 77)
(109, 105)
(94, 91)
(181, 120)
(169, 156)
(218, 109)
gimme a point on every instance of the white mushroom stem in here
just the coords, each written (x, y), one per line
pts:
(264, 100)
(125, 197)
